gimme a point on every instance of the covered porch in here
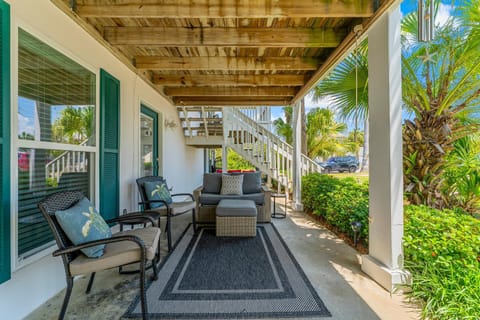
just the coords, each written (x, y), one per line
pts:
(159, 59)
(331, 265)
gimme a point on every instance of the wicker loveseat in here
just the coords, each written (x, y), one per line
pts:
(208, 196)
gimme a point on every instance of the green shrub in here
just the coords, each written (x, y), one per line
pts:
(442, 250)
(339, 201)
(347, 204)
(315, 190)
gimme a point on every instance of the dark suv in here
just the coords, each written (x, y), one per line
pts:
(340, 164)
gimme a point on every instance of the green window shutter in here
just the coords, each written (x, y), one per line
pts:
(5, 141)
(109, 145)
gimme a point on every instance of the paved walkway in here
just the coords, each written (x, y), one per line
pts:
(332, 266)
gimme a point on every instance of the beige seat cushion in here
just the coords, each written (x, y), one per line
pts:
(119, 253)
(176, 207)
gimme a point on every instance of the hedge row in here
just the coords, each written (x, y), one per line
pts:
(340, 201)
(442, 248)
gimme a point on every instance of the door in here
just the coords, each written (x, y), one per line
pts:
(149, 163)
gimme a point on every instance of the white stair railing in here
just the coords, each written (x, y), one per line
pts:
(68, 161)
(262, 147)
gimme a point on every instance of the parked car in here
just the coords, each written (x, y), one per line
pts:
(340, 164)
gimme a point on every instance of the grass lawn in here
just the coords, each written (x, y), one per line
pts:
(359, 176)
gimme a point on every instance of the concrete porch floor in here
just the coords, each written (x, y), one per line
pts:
(331, 265)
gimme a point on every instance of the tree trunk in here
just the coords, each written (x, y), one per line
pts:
(304, 126)
(426, 141)
(366, 148)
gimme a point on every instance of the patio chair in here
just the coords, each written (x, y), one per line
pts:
(122, 248)
(165, 206)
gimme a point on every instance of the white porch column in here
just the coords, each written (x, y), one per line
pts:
(385, 260)
(296, 163)
(224, 158)
(226, 125)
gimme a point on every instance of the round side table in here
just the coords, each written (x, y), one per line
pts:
(275, 214)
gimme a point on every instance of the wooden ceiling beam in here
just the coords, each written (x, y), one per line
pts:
(231, 101)
(230, 9)
(229, 91)
(229, 80)
(225, 63)
(225, 37)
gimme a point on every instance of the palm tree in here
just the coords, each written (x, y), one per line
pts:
(441, 88)
(284, 128)
(323, 134)
(74, 125)
(347, 87)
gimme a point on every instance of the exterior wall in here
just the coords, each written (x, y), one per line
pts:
(35, 281)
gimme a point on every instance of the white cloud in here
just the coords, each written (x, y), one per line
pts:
(443, 14)
(323, 102)
(25, 124)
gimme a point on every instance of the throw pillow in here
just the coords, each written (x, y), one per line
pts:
(232, 184)
(212, 183)
(252, 182)
(82, 223)
(157, 191)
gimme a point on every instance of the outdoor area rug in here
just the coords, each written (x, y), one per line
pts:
(206, 277)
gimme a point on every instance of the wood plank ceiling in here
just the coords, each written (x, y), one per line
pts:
(227, 52)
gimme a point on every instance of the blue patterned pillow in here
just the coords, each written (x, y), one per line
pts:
(82, 223)
(157, 191)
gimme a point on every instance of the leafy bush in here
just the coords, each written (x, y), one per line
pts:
(442, 250)
(339, 201)
(461, 179)
(347, 204)
(315, 190)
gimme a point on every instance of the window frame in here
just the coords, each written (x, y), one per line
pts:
(16, 143)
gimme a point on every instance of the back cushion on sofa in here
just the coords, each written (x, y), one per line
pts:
(232, 184)
(212, 183)
(252, 182)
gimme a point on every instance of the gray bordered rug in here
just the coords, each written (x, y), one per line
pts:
(206, 277)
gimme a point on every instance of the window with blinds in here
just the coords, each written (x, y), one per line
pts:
(55, 137)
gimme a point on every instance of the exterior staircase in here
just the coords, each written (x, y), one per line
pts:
(68, 161)
(247, 132)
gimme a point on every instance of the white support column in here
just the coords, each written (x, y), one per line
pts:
(296, 163)
(224, 158)
(384, 262)
(226, 124)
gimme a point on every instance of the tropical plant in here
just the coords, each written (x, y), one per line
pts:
(356, 140)
(462, 174)
(442, 253)
(234, 160)
(441, 88)
(347, 88)
(284, 128)
(323, 134)
(74, 125)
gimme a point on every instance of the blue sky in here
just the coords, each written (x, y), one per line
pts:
(26, 117)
